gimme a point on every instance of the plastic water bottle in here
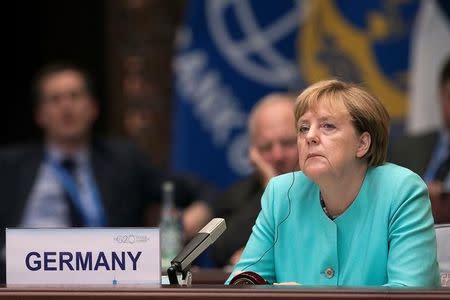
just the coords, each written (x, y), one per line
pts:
(170, 226)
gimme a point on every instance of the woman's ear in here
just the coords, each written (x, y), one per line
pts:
(364, 144)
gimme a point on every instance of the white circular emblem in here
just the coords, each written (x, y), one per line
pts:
(255, 55)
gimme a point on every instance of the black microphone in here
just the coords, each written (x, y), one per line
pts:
(203, 239)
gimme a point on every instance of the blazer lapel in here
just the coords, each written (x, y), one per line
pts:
(28, 172)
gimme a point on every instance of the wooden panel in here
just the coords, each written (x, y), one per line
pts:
(140, 36)
(222, 292)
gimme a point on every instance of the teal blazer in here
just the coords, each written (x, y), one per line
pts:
(385, 237)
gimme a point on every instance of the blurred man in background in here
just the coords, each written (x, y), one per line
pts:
(273, 151)
(429, 154)
(71, 178)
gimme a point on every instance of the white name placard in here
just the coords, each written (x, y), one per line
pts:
(83, 256)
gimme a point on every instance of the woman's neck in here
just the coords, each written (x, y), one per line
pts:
(339, 193)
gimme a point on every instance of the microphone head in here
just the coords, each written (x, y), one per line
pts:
(214, 228)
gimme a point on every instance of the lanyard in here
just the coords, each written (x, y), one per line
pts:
(97, 217)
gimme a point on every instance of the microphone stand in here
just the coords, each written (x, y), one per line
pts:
(182, 262)
(186, 275)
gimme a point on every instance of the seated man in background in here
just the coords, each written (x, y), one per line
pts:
(429, 154)
(72, 179)
(273, 151)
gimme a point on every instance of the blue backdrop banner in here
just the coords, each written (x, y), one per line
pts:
(229, 54)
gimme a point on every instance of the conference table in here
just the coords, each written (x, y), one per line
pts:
(208, 284)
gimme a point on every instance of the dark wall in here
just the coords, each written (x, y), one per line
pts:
(46, 31)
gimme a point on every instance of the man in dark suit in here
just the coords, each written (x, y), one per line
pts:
(72, 179)
(429, 154)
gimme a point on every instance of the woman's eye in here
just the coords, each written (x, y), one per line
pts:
(303, 129)
(328, 126)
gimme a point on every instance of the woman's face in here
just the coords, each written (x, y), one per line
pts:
(329, 146)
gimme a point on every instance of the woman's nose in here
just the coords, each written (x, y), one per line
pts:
(312, 135)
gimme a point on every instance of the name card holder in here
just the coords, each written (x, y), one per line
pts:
(83, 256)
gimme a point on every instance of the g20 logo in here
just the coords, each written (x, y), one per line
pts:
(131, 239)
(125, 239)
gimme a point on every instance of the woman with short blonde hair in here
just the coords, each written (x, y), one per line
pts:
(348, 218)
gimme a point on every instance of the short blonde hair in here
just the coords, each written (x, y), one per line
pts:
(367, 112)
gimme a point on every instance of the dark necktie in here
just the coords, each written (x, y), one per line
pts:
(444, 168)
(75, 218)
